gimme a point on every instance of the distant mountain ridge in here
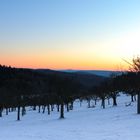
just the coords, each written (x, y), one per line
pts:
(104, 73)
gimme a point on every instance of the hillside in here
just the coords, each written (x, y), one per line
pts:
(85, 79)
(112, 123)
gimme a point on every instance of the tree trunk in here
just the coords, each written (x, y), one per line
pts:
(39, 109)
(34, 107)
(52, 107)
(80, 103)
(23, 111)
(138, 104)
(13, 109)
(114, 101)
(67, 105)
(44, 107)
(48, 107)
(71, 105)
(132, 99)
(103, 103)
(135, 98)
(108, 101)
(61, 111)
(58, 108)
(95, 101)
(6, 111)
(9, 109)
(89, 103)
(18, 114)
(1, 111)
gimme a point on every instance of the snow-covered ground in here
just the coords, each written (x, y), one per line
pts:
(112, 123)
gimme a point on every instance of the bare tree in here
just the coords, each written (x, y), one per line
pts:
(134, 66)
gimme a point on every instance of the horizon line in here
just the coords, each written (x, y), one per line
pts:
(55, 69)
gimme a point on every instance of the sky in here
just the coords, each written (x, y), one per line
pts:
(69, 34)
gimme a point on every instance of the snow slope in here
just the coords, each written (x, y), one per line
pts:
(112, 123)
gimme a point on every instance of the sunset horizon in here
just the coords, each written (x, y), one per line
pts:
(68, 68)
(86, 35)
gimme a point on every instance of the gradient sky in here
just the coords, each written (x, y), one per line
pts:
(69, 34)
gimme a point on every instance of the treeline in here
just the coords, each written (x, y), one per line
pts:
(20, 88)
(126, 83)
(24, 87)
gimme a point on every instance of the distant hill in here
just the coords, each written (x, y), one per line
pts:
(94, 72)
(84, 78)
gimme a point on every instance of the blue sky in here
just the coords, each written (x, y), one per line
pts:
(41, 28)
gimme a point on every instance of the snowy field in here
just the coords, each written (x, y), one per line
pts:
(112, 123)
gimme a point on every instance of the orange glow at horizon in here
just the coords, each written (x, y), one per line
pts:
(84, 54)
(62, 62)
(83, 60)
